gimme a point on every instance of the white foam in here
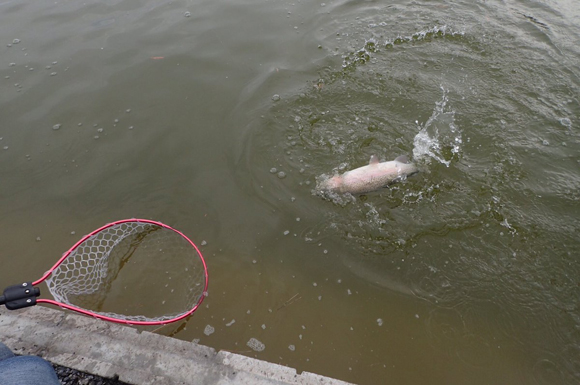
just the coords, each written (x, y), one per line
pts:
(255, 345)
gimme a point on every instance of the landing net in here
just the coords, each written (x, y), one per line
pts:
(132, 271)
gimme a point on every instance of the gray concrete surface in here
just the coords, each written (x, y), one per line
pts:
(141, 358)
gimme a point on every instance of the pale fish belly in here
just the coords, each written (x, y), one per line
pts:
(368, 178)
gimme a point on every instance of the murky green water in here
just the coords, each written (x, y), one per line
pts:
(180, 111)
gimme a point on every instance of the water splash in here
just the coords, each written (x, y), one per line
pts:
(431, 33)
(371, 46)
(438, 138)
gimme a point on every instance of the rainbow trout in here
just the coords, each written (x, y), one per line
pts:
(371, 177)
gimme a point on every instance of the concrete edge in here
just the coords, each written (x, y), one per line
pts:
(140, 358)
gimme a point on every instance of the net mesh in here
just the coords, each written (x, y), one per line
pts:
(133, 271)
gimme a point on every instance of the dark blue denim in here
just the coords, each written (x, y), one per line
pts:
(25, 370)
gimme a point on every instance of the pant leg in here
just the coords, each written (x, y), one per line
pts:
(5, 352)
(27, 370)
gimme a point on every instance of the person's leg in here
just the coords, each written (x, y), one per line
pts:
(25, 370)
(5, 352)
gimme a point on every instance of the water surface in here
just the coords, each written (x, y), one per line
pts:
(218, 119)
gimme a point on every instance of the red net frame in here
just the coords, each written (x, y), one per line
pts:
(87, 241)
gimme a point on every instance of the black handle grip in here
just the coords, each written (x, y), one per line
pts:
(19, 296)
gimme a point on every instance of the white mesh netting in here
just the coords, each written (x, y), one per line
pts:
(134, 271)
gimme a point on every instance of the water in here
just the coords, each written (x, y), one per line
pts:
(179, 111)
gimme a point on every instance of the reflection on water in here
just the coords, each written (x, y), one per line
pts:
(217, 119)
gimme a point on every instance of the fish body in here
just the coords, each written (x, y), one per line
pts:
(371, 177)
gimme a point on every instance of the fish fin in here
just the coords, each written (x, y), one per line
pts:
(402, 159)
(374, 160)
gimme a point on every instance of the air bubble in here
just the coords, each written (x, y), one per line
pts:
(15, 41)
(379, 321)
(273, 170)
(187, 14)
(276, 97)
(281, 175)
(291, 348)
(565, 122)
(286, 232)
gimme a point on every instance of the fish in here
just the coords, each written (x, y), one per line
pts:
(371, 177)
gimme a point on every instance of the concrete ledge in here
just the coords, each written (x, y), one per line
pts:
(141, 358)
